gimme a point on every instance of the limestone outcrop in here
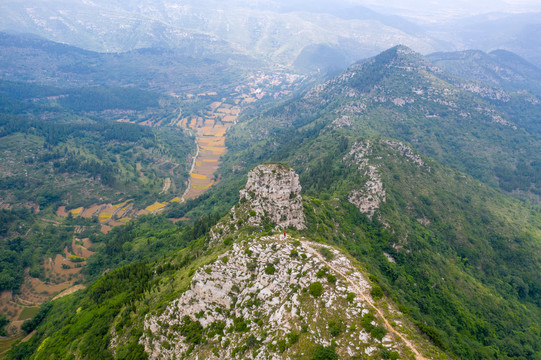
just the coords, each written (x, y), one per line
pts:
(273, 191)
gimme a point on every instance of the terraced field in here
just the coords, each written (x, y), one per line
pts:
(210, 136)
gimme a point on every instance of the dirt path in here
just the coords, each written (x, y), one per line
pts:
(171, 172)
(166, 185)
(69, 291)
(51, 221)
(191, 170)
(362, 294)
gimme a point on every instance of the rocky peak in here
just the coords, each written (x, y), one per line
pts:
(273, 191)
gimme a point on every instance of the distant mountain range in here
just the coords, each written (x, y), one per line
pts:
(274, 31)
(277, 32)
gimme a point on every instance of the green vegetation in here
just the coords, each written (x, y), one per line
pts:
(52, 162)
(26, 245)
(270, 269)
(458, 257)
(315, 289)
(135, 284)
(325, 353)
(28, 312)
(3, 323)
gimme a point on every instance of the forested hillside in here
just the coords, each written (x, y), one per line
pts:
(399, 94)
(430, 188)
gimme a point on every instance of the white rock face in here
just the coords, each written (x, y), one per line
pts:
(273, 190)
(258, 292)
(372, 194)
(405, 151)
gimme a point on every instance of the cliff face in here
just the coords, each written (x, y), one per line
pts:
(273, 191)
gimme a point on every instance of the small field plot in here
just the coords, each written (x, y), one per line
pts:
(28, 313)
(156, 206)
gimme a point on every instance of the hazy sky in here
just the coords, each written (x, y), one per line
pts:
(435, 10)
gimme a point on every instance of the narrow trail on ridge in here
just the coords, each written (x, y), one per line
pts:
(361, 294)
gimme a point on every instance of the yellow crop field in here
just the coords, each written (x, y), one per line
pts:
(114, 207)
(215, 149)
(76, 212)
(198, 163)
(210, 160)
(125, 220)
(156, 206)
(175, 199)
(203, 187)
(104, 216)
(218, 142)
(75, 258)
(198, 176)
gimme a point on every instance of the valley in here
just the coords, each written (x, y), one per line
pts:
(225, 196)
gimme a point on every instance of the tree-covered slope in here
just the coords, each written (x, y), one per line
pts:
(26, 57)
(500, 68)
(399, 94)
(400, 169)
(458, 258)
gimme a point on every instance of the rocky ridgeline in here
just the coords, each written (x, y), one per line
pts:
(370, 196)
(273, 192)
(271, 297)
(405, 151)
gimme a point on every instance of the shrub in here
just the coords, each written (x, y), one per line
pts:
(350, 297)
(366, 321)
(376, 292)
(327, 254)
(315, 289)
(331, 278)
(378, 332)
(282, 346)
(270, 269)
(389, 354)
(335, 327)
(191, 330)
(240, 324)
(292, 338)
(325, 353)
